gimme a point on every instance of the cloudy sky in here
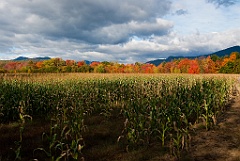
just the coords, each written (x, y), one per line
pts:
(125, 31)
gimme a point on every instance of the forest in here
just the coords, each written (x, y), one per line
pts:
(210, 64)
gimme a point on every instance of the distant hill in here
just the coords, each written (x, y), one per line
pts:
(227, 51)
(20, 58)
(23, 58)
(87, 62)
(156, 61)
(220, 53)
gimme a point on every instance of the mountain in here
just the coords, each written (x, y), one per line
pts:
(23, 58)
(87, 62)
(20, 58)
(156, 61)
(220, 53)
(227, 51)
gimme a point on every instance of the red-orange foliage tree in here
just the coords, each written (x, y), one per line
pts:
(94, 64)
(193, 67)
(147, 68)
(39, 64)
(183, 65)
(70, 62)
(81, 63)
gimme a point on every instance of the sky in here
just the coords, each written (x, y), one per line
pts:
(124, 31)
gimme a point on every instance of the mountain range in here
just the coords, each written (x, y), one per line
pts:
(156, 62)
(36, 59)
(23, 58)
(220, 53)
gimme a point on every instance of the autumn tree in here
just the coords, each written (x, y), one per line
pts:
(227, 68)
(174, 66)
(2, 64)
(29, 67)
(193, 67)
(85, 69)
(70, 63)
(167, 67)
(53, 65)
(129, 68)
(137, 67)
(117, 68)
(147, 68)
(81, 63)
(39, 64)
(11, 66)
(237, 66)
(99, 68)
(228, 63)
(160, 68)
(207, 65)
(121, 68)
(184, 65)
(94, 64)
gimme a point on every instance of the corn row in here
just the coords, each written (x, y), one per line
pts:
(156, 108)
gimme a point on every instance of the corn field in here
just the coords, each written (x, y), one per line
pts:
(160, 109)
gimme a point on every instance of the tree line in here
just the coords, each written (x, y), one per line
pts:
(211, 64)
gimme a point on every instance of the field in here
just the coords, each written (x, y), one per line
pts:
(110, 116)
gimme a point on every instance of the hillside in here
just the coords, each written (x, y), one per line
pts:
(227, 51)
(220, 53)
(23, 58)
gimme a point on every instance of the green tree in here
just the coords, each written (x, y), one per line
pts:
(214, 57)
(237, 66)
(100, 69)
(227, 68)
(85, 69)
(53, 65)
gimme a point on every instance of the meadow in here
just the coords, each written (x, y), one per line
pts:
(107, 116)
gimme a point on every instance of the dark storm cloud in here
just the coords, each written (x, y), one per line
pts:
(85, 20)
(223, 2)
